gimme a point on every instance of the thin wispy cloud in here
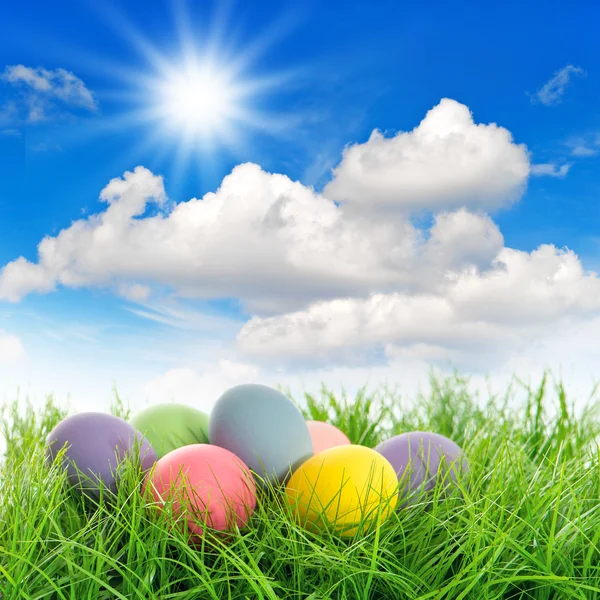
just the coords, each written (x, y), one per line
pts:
(43, 93)
(46, 147)
(74, 333)
(550, 170)
(552, 92)
(584, 146)
(180, 317)
(582, 150)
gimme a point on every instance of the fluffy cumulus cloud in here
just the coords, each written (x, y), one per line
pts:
(448, 161)
(43, 91)
(11, 348)
(328, 284)
(474, 315)
(261, 238)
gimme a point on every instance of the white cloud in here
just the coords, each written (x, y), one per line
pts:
(11, 132)
(90, 241)
(448, 161)
(11, 348)
(552, 92)
(260, 238)
(474, 316)
(460, 239)
(330, 290)
(135, 292)
(581, 150)
(550, 169)
(584, 145)
(43, 91)
(20, 277)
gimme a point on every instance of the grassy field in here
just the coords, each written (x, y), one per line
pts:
(528, 525)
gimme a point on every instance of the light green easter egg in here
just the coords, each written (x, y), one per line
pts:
(171, 426)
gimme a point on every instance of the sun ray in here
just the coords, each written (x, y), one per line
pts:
(203, 94)
(184, 150)
(259, 47)
(121, 24)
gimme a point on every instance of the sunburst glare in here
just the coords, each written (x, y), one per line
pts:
(202, 98)
(198, 97)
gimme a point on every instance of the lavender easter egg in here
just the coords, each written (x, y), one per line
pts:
(263, 428)
(417, 457)
(171, 426)
(96, 444)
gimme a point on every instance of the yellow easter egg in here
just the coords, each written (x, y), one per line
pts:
(344, 488)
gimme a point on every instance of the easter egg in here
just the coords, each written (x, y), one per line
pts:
(345, 488)
(206, 483)
(325, 435)
(417, 456)
(170, 426)
(263, 427)
(97, 443)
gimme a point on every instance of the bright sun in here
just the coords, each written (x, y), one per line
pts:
(198, 100)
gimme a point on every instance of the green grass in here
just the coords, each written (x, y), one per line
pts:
(528, 525)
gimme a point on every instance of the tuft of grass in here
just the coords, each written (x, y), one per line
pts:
(526, 523)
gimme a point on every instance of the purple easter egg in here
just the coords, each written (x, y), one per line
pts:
(416, 458)
(97, 443)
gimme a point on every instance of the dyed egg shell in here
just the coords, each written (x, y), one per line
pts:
(325, 436)
(206, 483)
(416, 457)
(263, 427)
(345, 488)
(97, 443)
(171, 426)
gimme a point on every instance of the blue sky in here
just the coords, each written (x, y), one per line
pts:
(321, 275)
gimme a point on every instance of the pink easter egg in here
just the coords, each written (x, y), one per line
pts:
(206, 483)
(325, 436)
